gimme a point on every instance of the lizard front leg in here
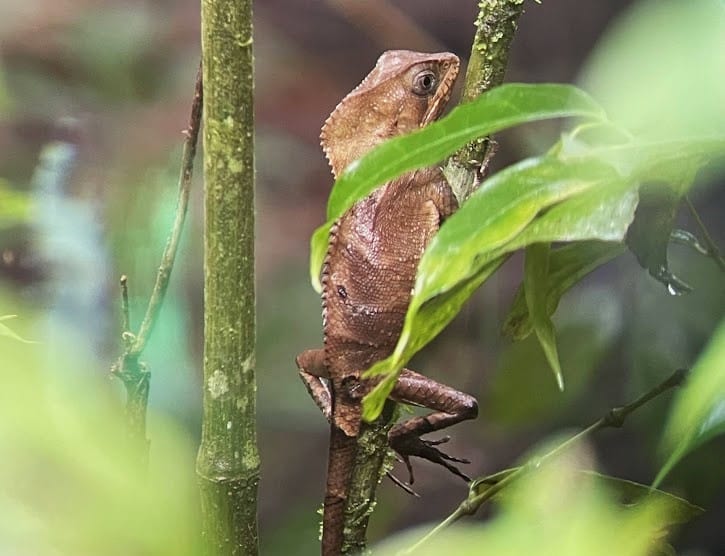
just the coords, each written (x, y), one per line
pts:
(311, 364)
(450, 407)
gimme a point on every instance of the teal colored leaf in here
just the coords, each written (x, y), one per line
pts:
(536, 272)
(501, 108)
(567, 266)
(698, 413)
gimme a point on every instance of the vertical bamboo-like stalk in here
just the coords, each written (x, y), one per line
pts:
(228, 461)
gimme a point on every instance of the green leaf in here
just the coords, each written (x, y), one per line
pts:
(567, 266)
(629, 493)
(503, 107)
(555, 509)
(658, 69)
(428, 321)
(698, 413)
(536, 272)
(474, 241)
(679, 510)
(7, 331)
(590, 195)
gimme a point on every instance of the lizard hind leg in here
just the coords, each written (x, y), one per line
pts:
(449, 406)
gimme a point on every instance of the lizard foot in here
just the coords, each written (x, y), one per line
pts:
(408, 444)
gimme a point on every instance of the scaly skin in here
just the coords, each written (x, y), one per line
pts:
(370, 268)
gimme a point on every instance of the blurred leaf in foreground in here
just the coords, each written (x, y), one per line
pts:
(554, 509)
(659, 71)
(698, 413)
(69, 481)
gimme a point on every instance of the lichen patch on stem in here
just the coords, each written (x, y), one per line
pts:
(218, 385)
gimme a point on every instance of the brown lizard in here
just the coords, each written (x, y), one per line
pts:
(370, 269)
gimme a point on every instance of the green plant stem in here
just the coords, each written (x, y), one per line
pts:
(227, 463)
(172, 244)
(614, 418)
(128, 368)
(496, 24)
(712, 251)
(125, 311)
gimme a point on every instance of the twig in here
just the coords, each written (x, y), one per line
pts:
(712, 250)
(172, 244)
(126, 334)
(128, 368)
(615, 418)
(495, 29)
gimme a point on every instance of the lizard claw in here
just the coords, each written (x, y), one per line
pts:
(406, 487)
(407, 445)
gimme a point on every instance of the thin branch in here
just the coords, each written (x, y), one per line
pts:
(712, 251)
(128, 368)
(172, 244)
(126, 334)
(496, 26)
(614, 418)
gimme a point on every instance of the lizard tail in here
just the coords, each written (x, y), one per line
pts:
(340, 463)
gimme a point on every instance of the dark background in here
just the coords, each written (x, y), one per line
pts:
(112, 81)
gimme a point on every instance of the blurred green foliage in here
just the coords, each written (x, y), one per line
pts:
(556, 510)
(71, 484)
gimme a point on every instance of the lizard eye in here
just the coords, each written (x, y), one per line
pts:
(424, 83)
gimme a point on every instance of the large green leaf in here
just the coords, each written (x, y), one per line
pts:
(658, 71)
(590, 195)
(491, 224)
(498, 109)
(628, 493)
(554, 509)
(699, 410)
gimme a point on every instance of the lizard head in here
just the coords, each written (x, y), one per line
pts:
(405, 91)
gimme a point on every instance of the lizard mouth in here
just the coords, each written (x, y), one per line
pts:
(442, 94)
